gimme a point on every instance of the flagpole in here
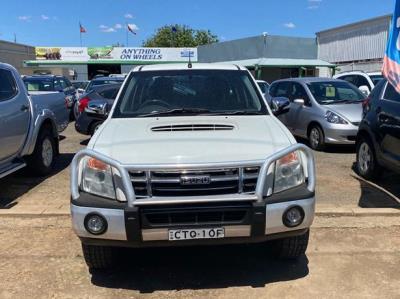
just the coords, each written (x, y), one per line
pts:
(80, 32)
(127, 34)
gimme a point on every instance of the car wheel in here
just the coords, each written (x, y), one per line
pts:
(366, 163)
(316, 138)
(42, 159)
(292, 247)
(98, 257)
(76, 110)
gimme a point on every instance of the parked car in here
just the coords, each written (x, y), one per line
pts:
(364, 81)
(325, 111)
(29, 125)
(104, 81)
(101, 97)
(191, 154)
(80, 87)
(264, 86)
(378, 139)
(53, 83)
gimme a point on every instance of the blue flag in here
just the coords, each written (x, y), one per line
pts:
(391, 62)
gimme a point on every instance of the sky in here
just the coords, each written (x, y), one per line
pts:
(56, 23)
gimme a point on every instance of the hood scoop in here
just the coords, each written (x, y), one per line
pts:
(194, 127)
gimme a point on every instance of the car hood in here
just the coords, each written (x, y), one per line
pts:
(132, 141)
(352, 112)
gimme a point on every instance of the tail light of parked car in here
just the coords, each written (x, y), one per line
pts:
(366, 105)
(83, 103)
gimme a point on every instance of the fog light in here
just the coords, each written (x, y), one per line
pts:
(95, 224)
(293, 216)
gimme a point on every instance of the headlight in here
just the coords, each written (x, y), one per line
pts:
(288, 172)
(333, 118)
(97, 178)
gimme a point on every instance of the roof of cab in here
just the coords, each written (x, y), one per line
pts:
(184, 66)
(308, 80)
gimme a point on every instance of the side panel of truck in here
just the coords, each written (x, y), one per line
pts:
(14, 115)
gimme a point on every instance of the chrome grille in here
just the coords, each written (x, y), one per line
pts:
(169, 183)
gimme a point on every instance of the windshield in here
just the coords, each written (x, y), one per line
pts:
(101, 82)
(194, 92)
(334, 92)
(263, 86)
(376, 79)
(39, 84)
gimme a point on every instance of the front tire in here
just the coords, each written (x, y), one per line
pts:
(292, 247)
(98, 257)
(42, 160)
(366, 164)
(316, 138)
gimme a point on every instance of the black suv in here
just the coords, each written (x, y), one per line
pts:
(378, 139)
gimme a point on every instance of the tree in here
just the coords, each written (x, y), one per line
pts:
(180, 36)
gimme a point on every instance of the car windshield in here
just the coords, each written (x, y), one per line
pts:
(39, 84)
(189, 92)
(78, 84)
(101, 82)
(334, 92)
(263, 86)
(376, 79)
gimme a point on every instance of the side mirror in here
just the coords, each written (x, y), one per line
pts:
(280, 105)
(98, 108)
(299, 101)
(365, 90)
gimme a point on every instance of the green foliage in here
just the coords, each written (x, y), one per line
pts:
(182, 36)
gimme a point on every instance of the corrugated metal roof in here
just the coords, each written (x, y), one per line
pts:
(281, 62)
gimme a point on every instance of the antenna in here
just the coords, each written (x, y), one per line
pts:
(190, 61)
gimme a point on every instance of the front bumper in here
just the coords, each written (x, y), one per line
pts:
(126, 227)
(340, 134)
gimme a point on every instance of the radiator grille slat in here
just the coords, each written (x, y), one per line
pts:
(219, 182)
(197, 127)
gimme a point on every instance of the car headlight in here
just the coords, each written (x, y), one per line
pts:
(97, 178)
(289, 172)
(333, 118)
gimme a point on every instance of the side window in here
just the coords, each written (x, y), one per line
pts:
(391, 94)
(63, 84)
(57, 85)
(8, 87)
(298, 92)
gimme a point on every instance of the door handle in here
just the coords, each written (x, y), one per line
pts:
(24, 108)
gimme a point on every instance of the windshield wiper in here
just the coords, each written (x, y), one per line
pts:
(239, 112)
(176, 111)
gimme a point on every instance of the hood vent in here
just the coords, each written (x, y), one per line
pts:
(197, 127)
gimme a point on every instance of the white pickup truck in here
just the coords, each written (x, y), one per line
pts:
(191, 155)
(29, 125)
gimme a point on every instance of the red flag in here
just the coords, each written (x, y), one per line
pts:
(131, 28)
(81, 28)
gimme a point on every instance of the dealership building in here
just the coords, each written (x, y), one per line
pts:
(356, 46)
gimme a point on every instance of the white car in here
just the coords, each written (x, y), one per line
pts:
(366, 82)
(191, 155)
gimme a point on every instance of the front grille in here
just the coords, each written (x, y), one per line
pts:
(208, 182)
(196, 215)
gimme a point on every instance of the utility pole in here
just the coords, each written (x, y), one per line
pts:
(15, 38)
(127, 34)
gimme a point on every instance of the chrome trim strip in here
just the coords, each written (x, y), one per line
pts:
(130, 193)
(161, 234)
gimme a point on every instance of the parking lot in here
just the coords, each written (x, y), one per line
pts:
(354, 247)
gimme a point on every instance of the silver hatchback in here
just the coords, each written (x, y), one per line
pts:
(325, 111)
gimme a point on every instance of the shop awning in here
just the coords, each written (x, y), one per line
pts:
(281, 62)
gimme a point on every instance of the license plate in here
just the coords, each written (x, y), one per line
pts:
(198, 233)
